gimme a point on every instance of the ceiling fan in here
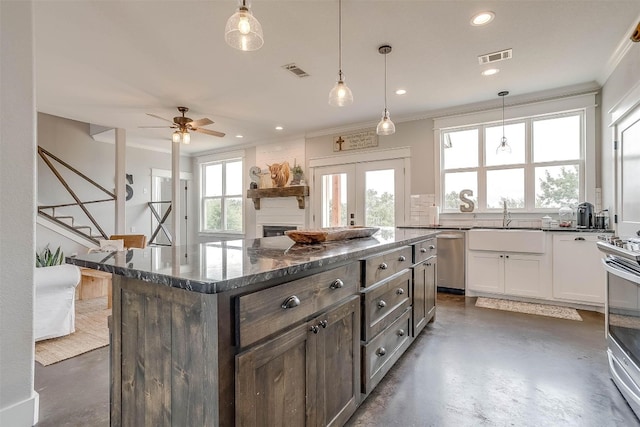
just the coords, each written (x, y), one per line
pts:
(184, 125)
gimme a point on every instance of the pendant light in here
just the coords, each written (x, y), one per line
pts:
(340, 95)
(504, 146)
(386, 126)
(243, 31)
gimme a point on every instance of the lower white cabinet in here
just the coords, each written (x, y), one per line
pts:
(578, 274)
(509, 273)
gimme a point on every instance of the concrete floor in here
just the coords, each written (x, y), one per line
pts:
(472, 367)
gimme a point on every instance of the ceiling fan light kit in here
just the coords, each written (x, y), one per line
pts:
(385, 126)
(243, 31)
(340, 95)
(184, 124)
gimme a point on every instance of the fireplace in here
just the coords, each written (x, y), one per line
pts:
(276, 230)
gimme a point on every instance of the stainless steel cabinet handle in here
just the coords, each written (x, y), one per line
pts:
(432, 247)
(314, 329)
(291, 302)
(383, 266)
(402, 258)
(399, 291)
(337, 284)
(382, 304)
(381, 351)
(423, 250)
(401, 332)
(579, 238)
(323, 323)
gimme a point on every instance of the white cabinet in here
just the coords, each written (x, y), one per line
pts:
(578, 274)
(509, 273)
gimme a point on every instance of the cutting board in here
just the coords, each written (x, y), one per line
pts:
(330, 234)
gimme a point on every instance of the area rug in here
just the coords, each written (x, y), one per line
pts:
(91, 332)
(529, 308)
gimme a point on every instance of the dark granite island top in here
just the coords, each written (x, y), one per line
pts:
(220, 266)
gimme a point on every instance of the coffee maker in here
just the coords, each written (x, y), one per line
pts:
(585, 215)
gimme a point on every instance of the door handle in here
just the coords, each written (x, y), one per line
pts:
(579, 238)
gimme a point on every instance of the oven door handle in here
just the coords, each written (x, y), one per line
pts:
(621, 273)
(614, 365)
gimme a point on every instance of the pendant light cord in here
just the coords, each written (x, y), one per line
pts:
(503, 117)
(385, 83)
(340, 38)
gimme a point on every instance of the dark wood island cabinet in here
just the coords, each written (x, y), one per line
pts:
(260, 331)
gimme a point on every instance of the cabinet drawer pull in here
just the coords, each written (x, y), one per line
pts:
(507, 256)
(381, 351)
(501, 256)
(432, 247)
(314, 329)
(401, 332)
(291, 302)
(579, 238)
(402, 258)
(337, 284)
(423, 250)
(383, 266)
(323, 323)
(399, 291)
(428, 264)
(382, 304)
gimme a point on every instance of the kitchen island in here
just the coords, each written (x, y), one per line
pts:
(261, 331)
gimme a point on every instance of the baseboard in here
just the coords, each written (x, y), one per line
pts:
(21, 414)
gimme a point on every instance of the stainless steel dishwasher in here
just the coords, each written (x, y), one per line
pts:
(451, 262)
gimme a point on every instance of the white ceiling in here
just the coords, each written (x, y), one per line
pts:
(110, 62)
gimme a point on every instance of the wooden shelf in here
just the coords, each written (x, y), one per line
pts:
(297, 191)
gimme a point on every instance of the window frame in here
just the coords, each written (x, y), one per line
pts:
(529, 165)
(222, 160)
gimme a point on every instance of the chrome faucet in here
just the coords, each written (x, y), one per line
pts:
(506, 215)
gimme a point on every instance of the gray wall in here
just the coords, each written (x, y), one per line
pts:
(70, 141)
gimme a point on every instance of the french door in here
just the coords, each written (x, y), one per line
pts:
(369, 193)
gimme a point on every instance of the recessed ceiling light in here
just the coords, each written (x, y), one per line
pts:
(482, 18)
(239, 136)
(279, 128)
(490, 72)
(401, 92)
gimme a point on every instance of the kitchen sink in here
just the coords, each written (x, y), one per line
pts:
(527, 240)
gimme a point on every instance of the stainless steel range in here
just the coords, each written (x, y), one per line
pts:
(622, 315)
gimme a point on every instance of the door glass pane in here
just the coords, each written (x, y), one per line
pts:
(379, 199)
(557, 186)
(505, 185)
(233, 213)
(460, 149)
(456, 182)
(515, 134)
(213, 180)
(212, 214)
(556, 139)
(233, 181)
(334, 200)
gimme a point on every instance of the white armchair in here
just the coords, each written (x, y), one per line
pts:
(54, 311)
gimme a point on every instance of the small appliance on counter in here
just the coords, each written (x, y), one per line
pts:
(565, 217)
(585, 218)
(602, 220)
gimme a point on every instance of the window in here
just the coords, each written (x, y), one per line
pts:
(543, 171)
(221, 209)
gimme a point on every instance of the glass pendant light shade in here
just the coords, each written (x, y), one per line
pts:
(186, 137)
(176, 137)
(243, 31)
(340, 95)
(385, 126)
(504, 146)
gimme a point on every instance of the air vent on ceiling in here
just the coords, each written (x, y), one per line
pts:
(295, 70)
(495, 56)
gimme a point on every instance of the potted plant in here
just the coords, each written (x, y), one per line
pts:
(46, 258)
(297, 174)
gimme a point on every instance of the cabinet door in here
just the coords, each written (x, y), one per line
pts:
(424, 294)
(276, 382)
(485, 271)
(338, 363)
(522, 275)
(578, 274)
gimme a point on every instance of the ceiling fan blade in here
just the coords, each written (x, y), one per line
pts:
(210, 132)
(157, 127)
(158, 117)
(201, 122)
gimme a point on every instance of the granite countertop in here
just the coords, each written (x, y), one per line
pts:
(220, 266)
(481, 227)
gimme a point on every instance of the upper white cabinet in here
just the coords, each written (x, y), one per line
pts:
(578, 274)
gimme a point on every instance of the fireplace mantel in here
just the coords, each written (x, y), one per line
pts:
(297, 191)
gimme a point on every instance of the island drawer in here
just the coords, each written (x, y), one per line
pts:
(384, 350)
(386, 264)
(383, 303)
(424, 250)
(262, 313)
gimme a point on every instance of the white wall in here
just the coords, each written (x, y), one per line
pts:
(625, 77)
(18, 400)
(70, 141)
